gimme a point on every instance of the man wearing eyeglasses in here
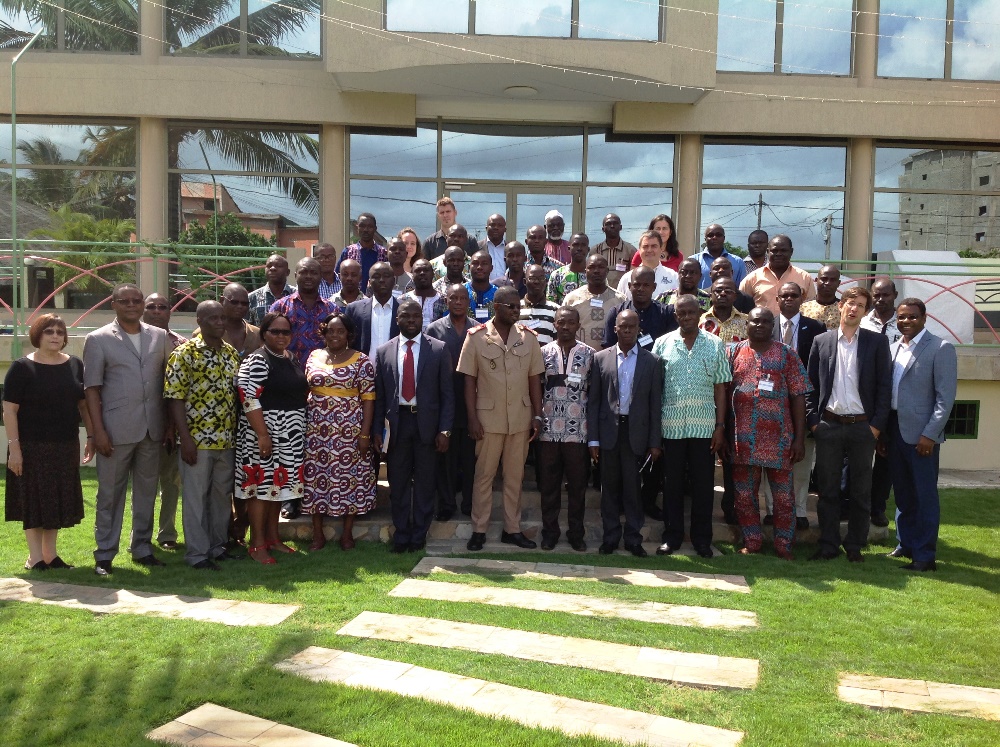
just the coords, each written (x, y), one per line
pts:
(123, 368)
(239, 332)
(157, 314)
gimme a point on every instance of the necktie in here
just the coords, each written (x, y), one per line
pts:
(787, 339)
(409, 379)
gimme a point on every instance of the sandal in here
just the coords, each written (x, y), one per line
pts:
(41, 565)
(58, 562)
(280, 547)
(317, 544)
(267, 560)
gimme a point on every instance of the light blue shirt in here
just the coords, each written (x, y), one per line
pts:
(705, 259)
(626, 374)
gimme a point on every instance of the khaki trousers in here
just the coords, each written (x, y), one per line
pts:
(513, 448)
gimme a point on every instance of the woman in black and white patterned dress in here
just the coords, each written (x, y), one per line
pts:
(270, 443)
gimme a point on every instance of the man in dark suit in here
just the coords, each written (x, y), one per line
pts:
(457, 466)
(924, 380)
(414, 392)
(798, 332)
(846, 410)
(375, 318)
(623, 423)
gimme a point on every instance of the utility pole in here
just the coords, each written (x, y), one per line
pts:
(760, 208)
(827, 234)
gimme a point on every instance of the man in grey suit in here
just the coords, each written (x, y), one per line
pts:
(623, 422)
(847, 409)
(123, 367)
(457, 466)
(414, 391)
(924, 380)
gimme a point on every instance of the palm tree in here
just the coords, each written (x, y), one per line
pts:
(88, 25)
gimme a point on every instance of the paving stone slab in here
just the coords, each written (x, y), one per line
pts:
(211, 725)
(576, 604)
(123, 601)
(457, 545)
(527, 707)
(573, 572)
(653, 663)
(920, 695)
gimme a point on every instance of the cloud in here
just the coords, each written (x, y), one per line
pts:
(976, 49)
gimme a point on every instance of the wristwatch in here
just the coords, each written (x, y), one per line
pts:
(446, 434)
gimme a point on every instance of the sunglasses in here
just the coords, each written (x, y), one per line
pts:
(283, 332)
(157, 307)
(510, 306)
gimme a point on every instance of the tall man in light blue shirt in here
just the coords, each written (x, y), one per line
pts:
(715, 247)
(494, 243)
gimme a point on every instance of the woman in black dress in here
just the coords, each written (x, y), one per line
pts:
(42, 407)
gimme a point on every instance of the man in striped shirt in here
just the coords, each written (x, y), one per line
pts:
(537, 312)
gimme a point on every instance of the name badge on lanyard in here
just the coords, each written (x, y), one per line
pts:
(597, 303)
(620, 267)
(765, 384)
(482, 314)
(574, 378)
(645, 340)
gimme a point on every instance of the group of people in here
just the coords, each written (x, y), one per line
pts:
(453, 357)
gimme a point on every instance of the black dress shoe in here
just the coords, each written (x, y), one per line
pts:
(704, 551)
(444, 514)
(517, 538)
(149, 560)
(578, 544)
(41, 565)
(855, 556)
(899, 552)
(920, 566)
(548, 544)
(801, 523)
(880, 520)
(638, 550)
(224, 555)
(606, 549)
(103, 568)
(290, 510)
(58, 562)
(768, 520)
(398, 549)
(824, 554)
(665, 549)
(206, 565)
(168, 545)
(416, 546)
(476, 541)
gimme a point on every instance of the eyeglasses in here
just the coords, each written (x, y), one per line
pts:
(54, 331)
(128, 301)
(157, 307)
(235, 303)
(283, 332)
(510, 306)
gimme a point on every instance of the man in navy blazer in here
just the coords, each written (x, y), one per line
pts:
(375, 317)
(623, 424)
(924, 380)
(798, 332)
(414, 392)
(847, 410)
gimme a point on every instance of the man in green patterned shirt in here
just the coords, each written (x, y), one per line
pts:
(695, 372)
(565, 280)
(200, 387)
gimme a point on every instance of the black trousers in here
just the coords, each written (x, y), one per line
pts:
(620, 488)
(456, 468)
(652, 483)
(881, 483)
(556, 460)
(834, 442)
(728, 486)
(694, 458)
(411, 466)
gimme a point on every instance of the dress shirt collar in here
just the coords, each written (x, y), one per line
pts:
(387, 306)
(627, 353)
(913, 342)
(842, 336)
(784, 320)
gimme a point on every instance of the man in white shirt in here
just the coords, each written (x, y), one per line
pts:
(494, 243)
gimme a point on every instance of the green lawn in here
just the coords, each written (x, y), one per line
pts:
(72, 678)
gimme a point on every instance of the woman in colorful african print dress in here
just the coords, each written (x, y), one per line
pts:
(339, 473)
(270, 440)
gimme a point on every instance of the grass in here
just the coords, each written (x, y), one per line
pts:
(72, 678)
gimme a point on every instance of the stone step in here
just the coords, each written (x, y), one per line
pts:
(920, 695)
(527, 707)
(211, 725)
(640, 661)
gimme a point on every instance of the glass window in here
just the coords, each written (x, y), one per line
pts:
(211, 30)
(441, 16)
(524, 17)
(777, 165)
(273, 29)
(397, 205)
(911, 38)
(816, 37)
(284, 28)
(70, 144)
(802, 216)
(87, 26)
(395, 155)
(619, 19)
(935, 168)
(634, 205)
(614, 160)
(512, 153)
(976, 38)
(532, 207)
(474, 209)
(746, 35)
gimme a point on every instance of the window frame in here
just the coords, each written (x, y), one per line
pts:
(949, 428)
(59, 32)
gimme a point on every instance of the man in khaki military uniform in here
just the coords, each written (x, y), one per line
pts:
(502, 361)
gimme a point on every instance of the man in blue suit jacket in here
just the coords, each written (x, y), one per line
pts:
(924, 380)
(847, 410)
(375, 317)
(414, 391)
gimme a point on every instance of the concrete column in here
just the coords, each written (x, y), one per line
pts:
(866, 42)
(859, 213)
(687, 193)
(150, 28)
(151, 197)
(333, 174)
